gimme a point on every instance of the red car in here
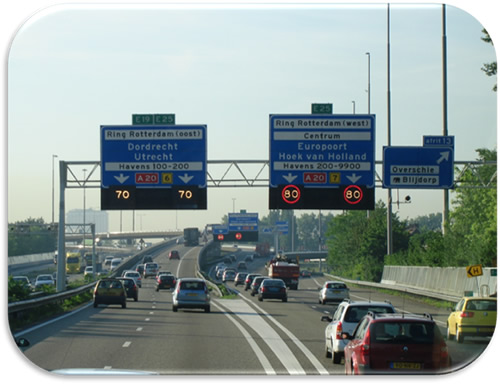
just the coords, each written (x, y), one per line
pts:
(396, 343)
(174, 255)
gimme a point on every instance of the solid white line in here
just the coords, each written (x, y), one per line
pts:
(51, 321)
(267, 333)
(314, 361)
(258, 352)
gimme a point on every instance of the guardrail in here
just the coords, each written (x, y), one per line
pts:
(24, 305)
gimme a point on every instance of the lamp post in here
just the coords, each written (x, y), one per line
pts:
(53, 157)
(84, 182)
(369, 75)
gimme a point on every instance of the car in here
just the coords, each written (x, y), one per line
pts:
(140, 269)
(24, 281)
(165, 281)
(191, 292)
(242, 266)
(240, 278)
(130, 287)
(254, 287)
(44, 280)
(229, 275)
(220, 272)
(272, 289)
(249, 259)
(107, 261)
(150, 269)
(88, 271)
(174, 255)
(305, 273)
(344, 320)
(249, 280)
(147, 259)
(110, 291)
(162, 273)
(115, 263)
(134, 275)
(472, 316)
(333, 291)
(396, 343)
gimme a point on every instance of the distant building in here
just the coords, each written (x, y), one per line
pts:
(99, 218)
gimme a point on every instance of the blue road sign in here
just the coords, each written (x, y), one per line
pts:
(282, 227)
(439, 141)
(220, 229)
(322, 151)
(154, 156)
(418, 167)
(243, 222)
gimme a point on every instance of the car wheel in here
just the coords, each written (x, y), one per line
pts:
(285, 300)
(459, 336)
(260, 298)
(136, 298)
(336, 357)
(95, 304)
(174, 309)
(448, 332)
(207, 309)
(328, 354)
(124, 305)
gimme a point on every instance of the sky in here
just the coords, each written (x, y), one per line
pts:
(72, 68)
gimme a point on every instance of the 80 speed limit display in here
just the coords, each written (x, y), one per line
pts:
(345, 197)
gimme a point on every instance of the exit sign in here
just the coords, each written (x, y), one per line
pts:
(322, 109)
(153, 119)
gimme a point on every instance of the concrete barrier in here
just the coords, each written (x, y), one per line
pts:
(449, 281)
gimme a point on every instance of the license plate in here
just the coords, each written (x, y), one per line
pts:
(405, 365)
(192, 294)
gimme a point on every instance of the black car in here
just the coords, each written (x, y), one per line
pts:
(130, 287)
(165, 282)
(254, 287)
(273, 289)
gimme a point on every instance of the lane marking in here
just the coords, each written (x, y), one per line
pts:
(126, 344)
(257, 351)
(267, 333)
(139, 329)
(314, 361)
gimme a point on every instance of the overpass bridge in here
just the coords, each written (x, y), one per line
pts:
(127, 235)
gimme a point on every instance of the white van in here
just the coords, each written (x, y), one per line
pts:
(115, 263)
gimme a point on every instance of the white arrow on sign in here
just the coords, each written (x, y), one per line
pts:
(444, 156)
(353, 178)
(121, 179)
(290, 177)
(186, 178)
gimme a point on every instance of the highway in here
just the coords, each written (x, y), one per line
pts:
(240, 336)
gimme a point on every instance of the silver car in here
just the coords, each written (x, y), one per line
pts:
(191, 292)
(333, 291)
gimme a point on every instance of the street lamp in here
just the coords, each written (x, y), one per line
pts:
(53, 157)
(84, 182)
(369, 70)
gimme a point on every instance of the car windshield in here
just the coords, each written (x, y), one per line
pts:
(355, 313)
(192, 285)
(336, 286)
(481, 305)
(402, 332)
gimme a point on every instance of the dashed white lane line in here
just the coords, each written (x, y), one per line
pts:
(126, 344)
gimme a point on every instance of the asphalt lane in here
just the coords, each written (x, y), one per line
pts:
(240, 336)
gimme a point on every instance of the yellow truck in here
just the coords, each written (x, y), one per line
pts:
(73, 262)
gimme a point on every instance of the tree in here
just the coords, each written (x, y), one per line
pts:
(489, 68)
(473, 227)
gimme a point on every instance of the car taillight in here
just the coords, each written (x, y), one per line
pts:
(283, 289)
(467, 314)
(338, 332)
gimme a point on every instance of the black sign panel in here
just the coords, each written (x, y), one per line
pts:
(238, 236)
(345, 197)
(130, 198)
